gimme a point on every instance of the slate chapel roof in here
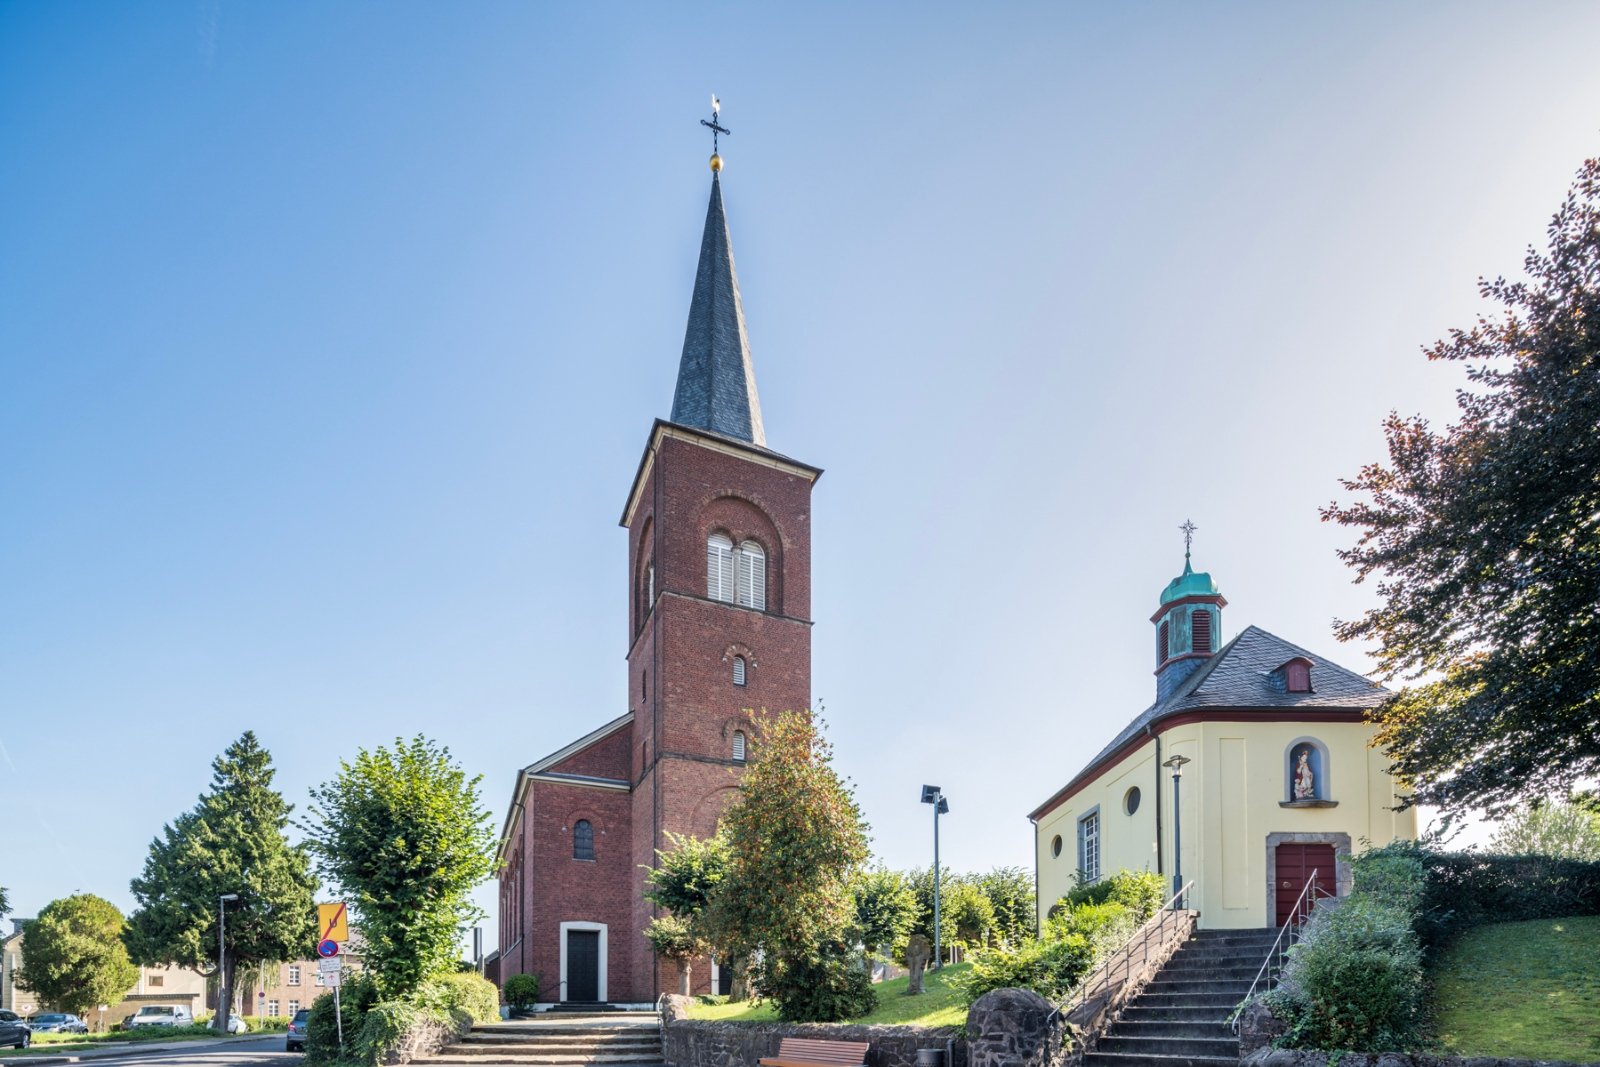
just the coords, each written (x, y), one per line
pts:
(716, 380)
(1240, 678)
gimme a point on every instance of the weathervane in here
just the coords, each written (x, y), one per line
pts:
(1188, 529)
(716, 128)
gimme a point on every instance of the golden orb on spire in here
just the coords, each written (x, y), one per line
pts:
(716, 163)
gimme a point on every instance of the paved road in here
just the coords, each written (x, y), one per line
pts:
(264, 1051)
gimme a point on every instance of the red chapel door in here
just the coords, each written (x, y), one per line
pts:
(1295, 865)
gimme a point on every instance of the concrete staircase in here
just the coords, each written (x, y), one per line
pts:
(1179, 1019)
(559, 1038)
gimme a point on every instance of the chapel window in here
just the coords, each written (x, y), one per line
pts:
(738, 670)
(738, 746)
(582, 840)
(1089, 848)
(719, 567)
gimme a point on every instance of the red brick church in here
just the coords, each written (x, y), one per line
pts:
(719, 622)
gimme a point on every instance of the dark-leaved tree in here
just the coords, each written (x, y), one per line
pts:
(232, 841)
(1485, 541)
(404, 833)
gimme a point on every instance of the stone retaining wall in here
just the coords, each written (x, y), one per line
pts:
(1279, 1057)
(689, 1042)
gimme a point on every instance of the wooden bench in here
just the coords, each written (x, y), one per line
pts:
(806, 1052)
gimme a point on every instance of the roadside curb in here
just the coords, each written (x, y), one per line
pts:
(132, 1049)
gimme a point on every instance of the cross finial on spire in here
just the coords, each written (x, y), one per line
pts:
(1188, 529)
(716, 129)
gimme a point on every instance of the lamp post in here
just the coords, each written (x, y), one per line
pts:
(223, 992)
(1176, 763)
(932, 795)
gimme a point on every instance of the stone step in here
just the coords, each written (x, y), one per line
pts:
(449, 1056)
(1124, 1059)
(1159, 999)
(1234, 988)
(561, 1033)
(1192, 970)
(1203, 1047)
(553, 1048)
(1213, 1027)
(1140, 1012)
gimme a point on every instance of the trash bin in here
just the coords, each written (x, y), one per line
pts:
(930, 1057)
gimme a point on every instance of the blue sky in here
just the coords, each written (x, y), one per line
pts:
(330, 336)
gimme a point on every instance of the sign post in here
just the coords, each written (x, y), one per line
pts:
(333, 930)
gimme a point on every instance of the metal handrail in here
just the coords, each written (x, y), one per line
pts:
(1272, 966)
(1155, 922)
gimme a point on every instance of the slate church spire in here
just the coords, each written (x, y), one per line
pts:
(716, 380)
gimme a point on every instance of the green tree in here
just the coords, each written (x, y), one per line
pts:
(970, 912)
(885, 911)
(5, 903)
(684, 882)
(1485, 540)
(1010, 893)
(404, 833)
(1567, 829)
(232, 841)
(75, 957)
(921, 880)
(795, 841)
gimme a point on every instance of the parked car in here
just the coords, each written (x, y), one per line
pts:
(161, 1015)
(296, 1039)
(236, 1024)
(56, 1022)
(14, 1030)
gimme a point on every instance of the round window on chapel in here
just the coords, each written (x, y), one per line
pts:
(1130, 800)
(1055, 846)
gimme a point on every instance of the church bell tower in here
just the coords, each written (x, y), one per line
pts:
(719, 581)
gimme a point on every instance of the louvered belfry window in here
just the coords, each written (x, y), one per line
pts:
(738, 746)
(1200, 621)
(738, 670)
(719, 567)
(753, 576)
(1161, 642)
(582, 840)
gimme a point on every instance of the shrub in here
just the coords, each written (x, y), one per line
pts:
(829, 988)
(1049, 966)
(1141, 892)
(357, 996)
(522, 991)
(1355, 982)
(459, 991)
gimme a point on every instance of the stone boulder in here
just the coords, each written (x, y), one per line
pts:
(1015, 1028)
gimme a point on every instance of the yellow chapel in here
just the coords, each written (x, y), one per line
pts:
(1250, 775)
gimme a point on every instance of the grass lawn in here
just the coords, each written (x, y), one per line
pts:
(1525, 990)
(941, 1004)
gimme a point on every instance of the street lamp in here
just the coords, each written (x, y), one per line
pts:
(1176, 763)
(941, 806)
(223, 993)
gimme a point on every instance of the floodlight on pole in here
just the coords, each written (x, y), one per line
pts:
(932, 794)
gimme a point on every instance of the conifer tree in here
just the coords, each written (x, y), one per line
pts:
(232, 841)
(74, 956)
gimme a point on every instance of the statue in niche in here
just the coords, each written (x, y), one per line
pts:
(1305, 784)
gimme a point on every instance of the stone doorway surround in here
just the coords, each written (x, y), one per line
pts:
(605, 951)
(1344, 877)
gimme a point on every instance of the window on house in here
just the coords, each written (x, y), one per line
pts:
(294, 1006)
(583, 840)
(649, 585)
(1297, 676)
(158, 979)
(719, 567)
(738, 670)
(1130, 800)
(294, 974)
(738, 745)
(1161, 642)
(1089, 848)
(272, 1008)
(1055, 846)
(1200, 622)
(753, 576)
(322, 979)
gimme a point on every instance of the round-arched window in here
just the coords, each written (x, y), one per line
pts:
(1055, 846)
(1130, 800)
(583, 840)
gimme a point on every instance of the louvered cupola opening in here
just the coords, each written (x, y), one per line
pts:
(1200, 625)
